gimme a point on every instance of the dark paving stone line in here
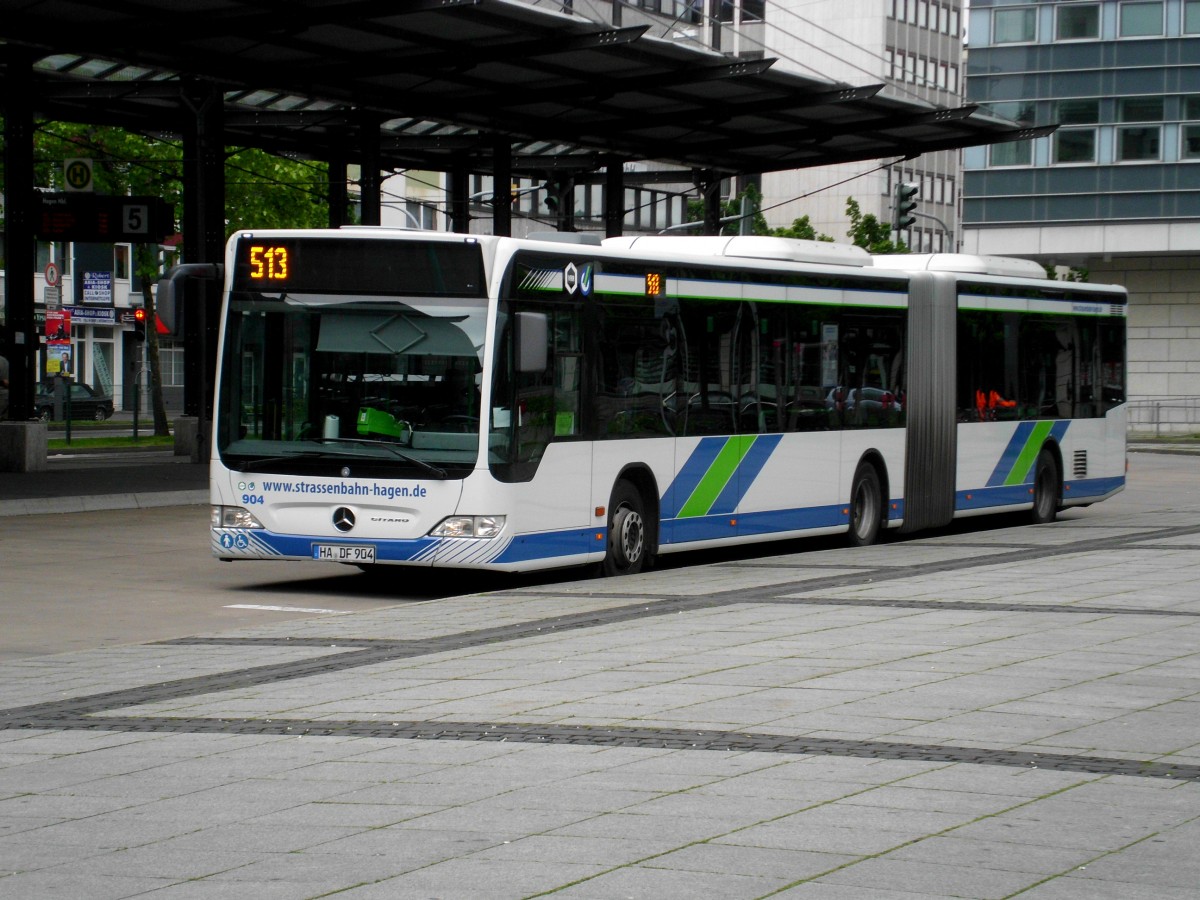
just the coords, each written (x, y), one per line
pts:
(977, 606)
(654, 738)
(901, 572)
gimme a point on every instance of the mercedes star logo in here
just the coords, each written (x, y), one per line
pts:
(343, 519)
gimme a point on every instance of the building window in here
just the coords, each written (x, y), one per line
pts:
(1190, 148)
(1012, 153)
(752, 10)
(1021, 111)
(121, 261)
(1075, 145)
(1012, 26)
(1141, 19)
(1078, 22)
(1191, 17)
(1140, 109)
(1139, 143)
(170, 364)
(1077, 112)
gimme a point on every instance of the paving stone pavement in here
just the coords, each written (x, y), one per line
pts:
(998, 712)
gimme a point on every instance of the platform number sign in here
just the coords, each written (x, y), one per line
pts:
(77, 174)
(136, 219)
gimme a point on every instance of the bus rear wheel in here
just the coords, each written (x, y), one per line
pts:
(626, 551)
(866, 506)
(1045, 489)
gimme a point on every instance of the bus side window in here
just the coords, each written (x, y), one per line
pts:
(637, 370)
(793, 356)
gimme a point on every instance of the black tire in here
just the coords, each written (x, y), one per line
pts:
(1046, 489)
(627, 538)
(99, 415)
(866, 506)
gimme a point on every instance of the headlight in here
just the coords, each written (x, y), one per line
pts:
(233, 517)
(469, 527)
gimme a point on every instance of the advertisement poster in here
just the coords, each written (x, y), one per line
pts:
(58, 325)
(98, 288)
(58, 359)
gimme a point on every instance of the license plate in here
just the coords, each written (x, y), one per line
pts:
(345, 553)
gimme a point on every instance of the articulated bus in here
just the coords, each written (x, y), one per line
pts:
(388, 396)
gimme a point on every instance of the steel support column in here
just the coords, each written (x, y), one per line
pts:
(709, 183)
(19, 338)
(614, 198)
(370, 182)
(203, 242)
(339, 207)
(501, 185)
(460, 201)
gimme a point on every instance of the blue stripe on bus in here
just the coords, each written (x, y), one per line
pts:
(771, 521)
(551, 544)
(690, 475)
(302, 545)
(1013, 495)
(545, 545)
(1097, 488)
(752, 463)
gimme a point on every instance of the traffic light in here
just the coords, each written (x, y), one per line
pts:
(904, 205)
(139, 324)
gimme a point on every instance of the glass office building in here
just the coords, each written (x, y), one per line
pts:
(1115, 191)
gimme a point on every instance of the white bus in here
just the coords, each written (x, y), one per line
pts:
(431, 399)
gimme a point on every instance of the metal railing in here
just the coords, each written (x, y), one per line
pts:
(1164, 415)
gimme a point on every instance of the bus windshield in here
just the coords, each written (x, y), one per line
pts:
(314, 382)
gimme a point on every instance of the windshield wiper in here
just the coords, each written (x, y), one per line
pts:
(429, 467)
(244, 464)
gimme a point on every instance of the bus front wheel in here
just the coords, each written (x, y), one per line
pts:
(866, 506)
(1045, 489)
(626, 552)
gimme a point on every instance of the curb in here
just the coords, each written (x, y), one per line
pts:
(47, 506)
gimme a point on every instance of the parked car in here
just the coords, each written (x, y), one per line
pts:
(86, 402)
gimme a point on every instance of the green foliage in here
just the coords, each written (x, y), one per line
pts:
(265, 191)
(802, 228)
(868, 232)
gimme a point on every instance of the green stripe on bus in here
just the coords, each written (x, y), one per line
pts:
(1029, 453)
(717, 476)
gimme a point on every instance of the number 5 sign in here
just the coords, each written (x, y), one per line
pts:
(135, 219)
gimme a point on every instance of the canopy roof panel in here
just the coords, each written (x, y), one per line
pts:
(444, 79)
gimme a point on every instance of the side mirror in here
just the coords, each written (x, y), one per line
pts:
(532, 332)
(166, 284)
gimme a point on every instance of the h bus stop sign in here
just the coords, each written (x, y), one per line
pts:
(98, 219)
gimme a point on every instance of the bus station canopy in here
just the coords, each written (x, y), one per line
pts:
(448, 81)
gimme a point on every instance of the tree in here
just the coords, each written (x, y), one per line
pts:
(803, 229)
(868, 232)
